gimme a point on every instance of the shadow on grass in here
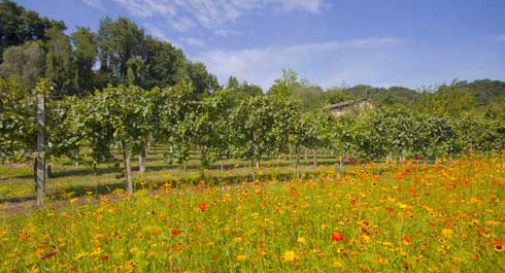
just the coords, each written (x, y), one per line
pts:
(190, 167)
(76, 191)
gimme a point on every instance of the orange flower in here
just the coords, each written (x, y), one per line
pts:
(203, 207)
(23, 236)
(499, 246)
(407, 240)
(337, 236)
(176, 232)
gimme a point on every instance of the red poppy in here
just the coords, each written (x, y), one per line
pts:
(176, 232)
(202, 207)
(337, 236)
(48, 255)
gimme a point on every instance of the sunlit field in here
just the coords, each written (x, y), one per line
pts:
(411, 217)
(68, 180)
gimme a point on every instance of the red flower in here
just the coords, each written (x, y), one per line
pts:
(337, 236)
(202, 207)
(104, 258)
(407, 240)
(48, 255)
(176, 232)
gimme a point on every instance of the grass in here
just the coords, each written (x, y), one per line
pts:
(68, 180)
(408, 218)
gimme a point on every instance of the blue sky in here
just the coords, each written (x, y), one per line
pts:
(414, 43)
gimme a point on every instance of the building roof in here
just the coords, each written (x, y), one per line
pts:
(348, 103)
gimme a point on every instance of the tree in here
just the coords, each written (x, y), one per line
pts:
(59, 62)
(19, 26)
(119, 42)
(166, 65)
(24, 64)
(452, 100)
(204, 83)
(85, 54)
(242, 90)
(290, 87)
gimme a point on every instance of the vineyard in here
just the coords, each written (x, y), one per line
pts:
(120, 154)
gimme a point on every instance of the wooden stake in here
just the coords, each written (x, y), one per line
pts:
(40, 161)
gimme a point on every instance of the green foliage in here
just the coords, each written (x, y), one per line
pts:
(23, 64)
(167, 65)
(85, 53)
(242, 90)
(203, 82)
(115, 114)
(119, 41)
(18, 126)
(59, 62)
(19, 25)
(255, 132)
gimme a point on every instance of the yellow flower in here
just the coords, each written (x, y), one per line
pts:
(301, 240)
(226, 198)
(447, 232)
(492, 223)
(365, 238)
(401, 205)
(241, 258)
(238, 240)
(289, 256)
(473, 201)
(337, 263)
(383, 261)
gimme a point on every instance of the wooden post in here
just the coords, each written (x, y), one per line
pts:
(315, 158)
(297, 162)
(142, 160)
(128, 169)
(41, 171)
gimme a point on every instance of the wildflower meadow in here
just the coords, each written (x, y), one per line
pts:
(410, 217)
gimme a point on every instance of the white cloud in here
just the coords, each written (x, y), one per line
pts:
(209, 14)
(192, 41)
(263, 65)
(148, 8)
(307, 5)
(223, 32)
(182, 24)
(97, 4)
(156, 32)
